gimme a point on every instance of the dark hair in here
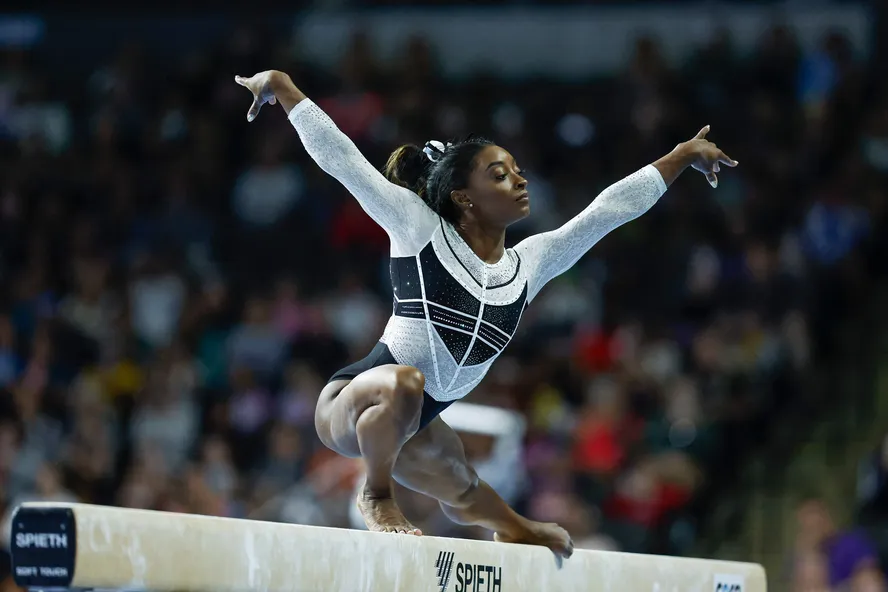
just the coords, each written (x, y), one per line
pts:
(409, 167)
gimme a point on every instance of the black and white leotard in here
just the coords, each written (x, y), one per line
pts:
(454, 313)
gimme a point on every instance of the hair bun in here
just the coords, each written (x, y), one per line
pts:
(408, 167)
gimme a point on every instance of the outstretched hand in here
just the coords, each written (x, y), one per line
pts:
(707, 157)
(270, 87)
(262, 87)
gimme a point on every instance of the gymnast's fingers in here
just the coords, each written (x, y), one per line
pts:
(726, 160)
(258, 100)
(702, 133)
(254, 109)
(712, 178)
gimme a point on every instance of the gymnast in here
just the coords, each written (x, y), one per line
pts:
(458, 297)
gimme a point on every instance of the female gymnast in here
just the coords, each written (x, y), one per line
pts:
(458, 297)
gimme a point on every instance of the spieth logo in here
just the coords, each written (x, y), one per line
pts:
(443, 566)
(469, 577)
(728, 583)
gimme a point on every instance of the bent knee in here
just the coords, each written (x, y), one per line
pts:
(409, 381)
(405, 396)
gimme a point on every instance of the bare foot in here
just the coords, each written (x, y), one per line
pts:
(383, 515)
(539, 533)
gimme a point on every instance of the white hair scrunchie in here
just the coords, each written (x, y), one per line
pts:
(434, 149)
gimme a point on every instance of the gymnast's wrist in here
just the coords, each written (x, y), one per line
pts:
(285, 91)
(279, 81)
(672, 165)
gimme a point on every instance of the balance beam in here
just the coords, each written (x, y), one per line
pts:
(86, 546)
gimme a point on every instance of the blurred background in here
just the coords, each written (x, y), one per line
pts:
(710, 380)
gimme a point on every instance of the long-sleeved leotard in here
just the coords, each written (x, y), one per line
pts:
(454, 313)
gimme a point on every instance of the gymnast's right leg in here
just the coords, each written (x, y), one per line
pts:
(372, 416)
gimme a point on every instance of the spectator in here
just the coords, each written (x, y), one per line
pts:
(849, 556)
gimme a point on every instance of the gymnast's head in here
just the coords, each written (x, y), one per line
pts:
(473, 181)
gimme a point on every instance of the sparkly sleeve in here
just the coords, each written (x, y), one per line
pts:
(549, 254)
(408, 221)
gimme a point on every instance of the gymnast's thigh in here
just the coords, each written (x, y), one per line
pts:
(343, 400)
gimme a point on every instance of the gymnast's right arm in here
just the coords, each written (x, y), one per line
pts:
(399, 211)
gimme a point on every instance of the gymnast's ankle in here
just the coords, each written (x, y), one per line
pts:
(375, 494)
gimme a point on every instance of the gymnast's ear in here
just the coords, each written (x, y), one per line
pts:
(461, 199)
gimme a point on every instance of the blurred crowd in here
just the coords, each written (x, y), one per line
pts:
(177, 286)
(830, 557)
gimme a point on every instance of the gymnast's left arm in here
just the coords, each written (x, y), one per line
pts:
(549, 254)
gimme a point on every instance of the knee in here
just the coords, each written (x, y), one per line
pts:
(393, 394)
(405, 394)
(409, 382)
(406, 387)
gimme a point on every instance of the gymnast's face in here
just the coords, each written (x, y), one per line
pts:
(496, 192)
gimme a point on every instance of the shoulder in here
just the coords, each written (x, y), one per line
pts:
(415, 230)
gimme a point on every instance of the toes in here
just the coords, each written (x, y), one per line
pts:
(569, 549)
(401, 530)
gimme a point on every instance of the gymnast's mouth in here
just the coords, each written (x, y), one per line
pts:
(523, 197)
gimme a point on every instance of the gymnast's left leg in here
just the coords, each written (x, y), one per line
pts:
(434, 463)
